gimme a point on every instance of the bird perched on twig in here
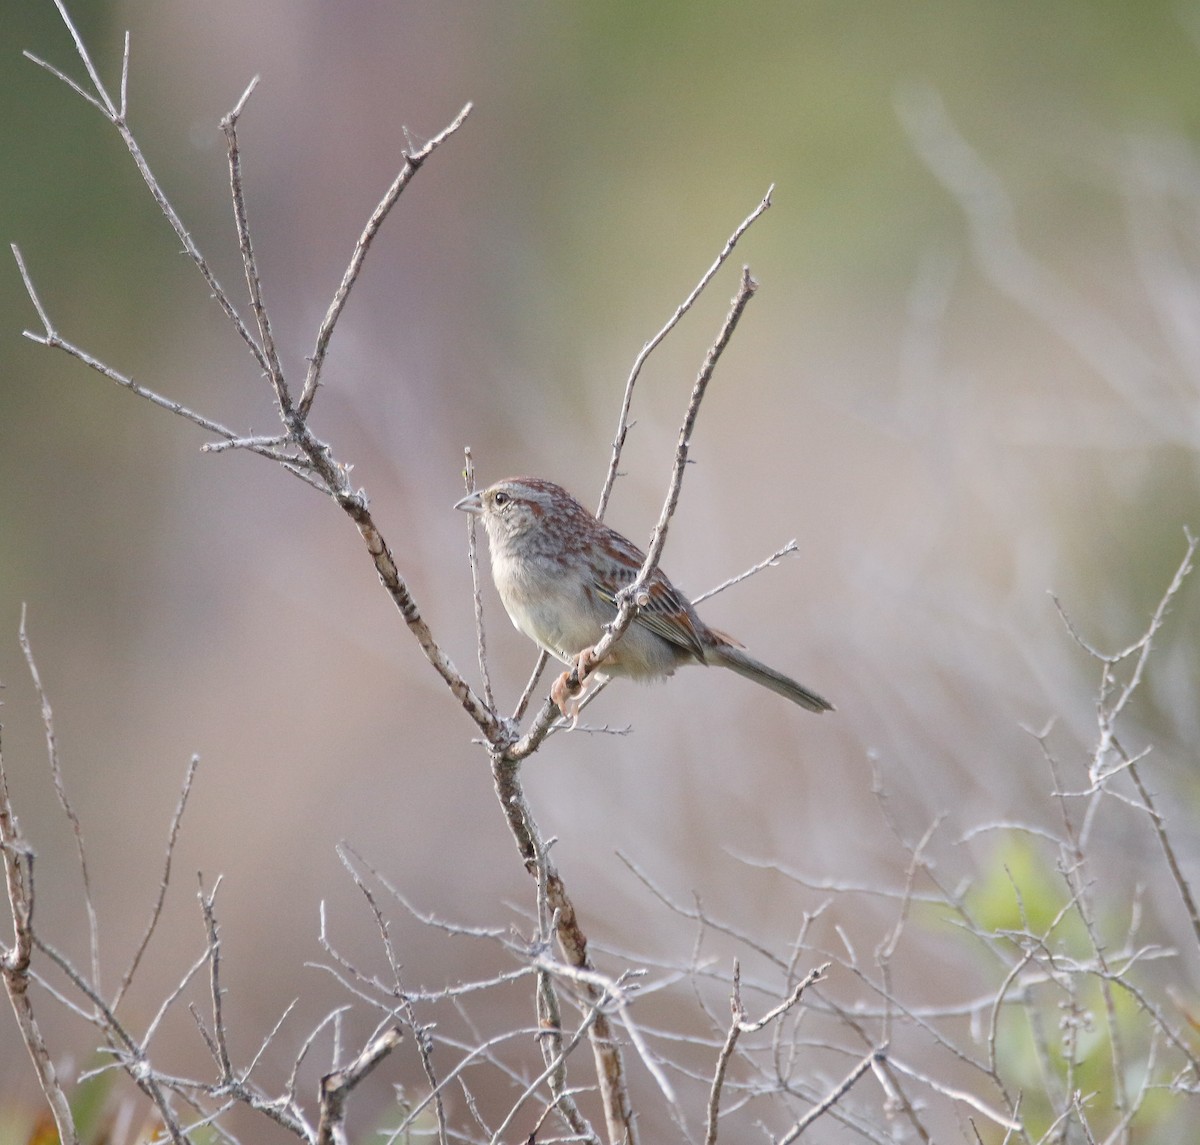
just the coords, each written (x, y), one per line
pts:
(558, 571)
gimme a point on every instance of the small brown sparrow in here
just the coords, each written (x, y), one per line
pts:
(558, 571)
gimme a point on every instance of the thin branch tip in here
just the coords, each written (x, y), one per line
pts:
(239, 107)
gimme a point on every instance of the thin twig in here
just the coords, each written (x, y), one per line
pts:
(476, 590)
(769, 562)
(481, 1050)
(645, 352)
(658, 540)
(258, 443)
(699, 915)
(156, 912)
(124, 104)
(1168, 849)
(207, 908)
(50, 337)
(412, 164)
(290, 1087)
(266, 338)
(1007, 1123)
(713, 1111)
(405, 1003)
(64, 801)
(172, 997)
(834, 1096)
(552, 1067)
(534, 676)
(549, 1014)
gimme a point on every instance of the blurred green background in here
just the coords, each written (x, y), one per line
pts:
(953, 410)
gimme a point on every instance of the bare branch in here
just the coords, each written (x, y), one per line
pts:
(336, 1087)
(124, 105)
(658, 540)
(536, 674)
(618, 1111)
(552, 1067)
(93, 74)
(1168, 849)
(718, 1082)
(1006, 1123)
(116, 116)
(290, 1087)
(172, 997)
(60, 75)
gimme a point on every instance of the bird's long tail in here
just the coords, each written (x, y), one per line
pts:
(730, 656)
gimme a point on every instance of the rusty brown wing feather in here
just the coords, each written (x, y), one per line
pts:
(668, 614)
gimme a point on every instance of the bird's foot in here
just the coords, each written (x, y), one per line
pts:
(570, 698)
(567, 697)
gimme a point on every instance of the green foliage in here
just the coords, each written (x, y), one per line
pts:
(1069, 1021)
(1020, 891)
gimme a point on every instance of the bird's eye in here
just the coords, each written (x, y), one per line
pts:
(500, 498)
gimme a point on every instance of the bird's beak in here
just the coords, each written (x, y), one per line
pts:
(472, 504)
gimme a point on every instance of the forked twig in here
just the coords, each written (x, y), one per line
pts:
(738, 1026)
(337, 1086)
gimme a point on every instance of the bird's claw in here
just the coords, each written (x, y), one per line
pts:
(570, 698)
(567, 698)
